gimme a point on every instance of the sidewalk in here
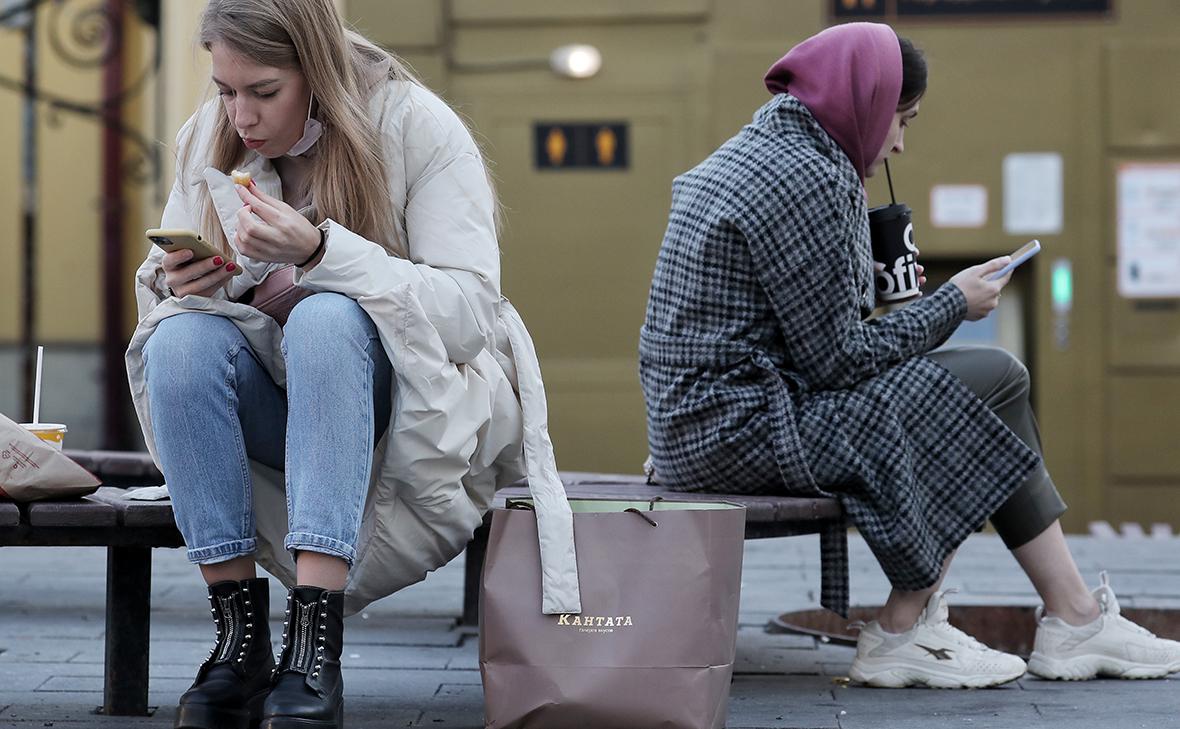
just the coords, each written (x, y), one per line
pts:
(407, 665)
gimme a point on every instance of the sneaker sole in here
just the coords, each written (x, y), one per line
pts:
(1082, 668)
(894, 676)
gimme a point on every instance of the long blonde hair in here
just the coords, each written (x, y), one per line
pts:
(347, 182)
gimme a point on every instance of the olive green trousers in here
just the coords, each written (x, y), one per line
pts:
(1001, 382)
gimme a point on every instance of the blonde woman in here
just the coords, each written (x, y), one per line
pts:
(341, 409)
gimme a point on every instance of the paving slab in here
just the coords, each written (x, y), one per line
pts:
(782, 701)
(408, 664)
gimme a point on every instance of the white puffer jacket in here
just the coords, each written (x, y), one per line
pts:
(469, 410)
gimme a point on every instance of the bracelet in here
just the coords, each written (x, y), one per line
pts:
(316, 252)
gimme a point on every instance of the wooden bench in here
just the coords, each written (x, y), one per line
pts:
(766, 516)
(131, 529)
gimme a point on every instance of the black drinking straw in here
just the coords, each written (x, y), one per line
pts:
(889, 177)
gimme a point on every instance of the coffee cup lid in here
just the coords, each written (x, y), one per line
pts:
(889, 212)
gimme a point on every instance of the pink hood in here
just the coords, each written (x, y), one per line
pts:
(849, 78)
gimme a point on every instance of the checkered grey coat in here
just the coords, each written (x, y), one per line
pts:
(761, 374)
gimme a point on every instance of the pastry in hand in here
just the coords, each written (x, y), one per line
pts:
(240, 178)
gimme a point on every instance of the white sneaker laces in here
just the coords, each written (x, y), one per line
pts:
(954, 633)
(1109, 604)
(965, 638)
(1136, 628)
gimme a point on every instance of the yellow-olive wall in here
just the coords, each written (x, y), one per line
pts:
(578, 248)
(68, 162)
(10, 197)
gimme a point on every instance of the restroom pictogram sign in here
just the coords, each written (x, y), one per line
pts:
(581, 145)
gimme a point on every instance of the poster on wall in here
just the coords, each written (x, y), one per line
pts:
(1149, 229)
(958, 206)
(967, 9)
(1034, 194)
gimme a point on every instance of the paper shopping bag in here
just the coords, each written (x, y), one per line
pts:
(654, 643)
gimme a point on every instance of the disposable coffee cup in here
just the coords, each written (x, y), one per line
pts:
(892, 233)
(52, 433)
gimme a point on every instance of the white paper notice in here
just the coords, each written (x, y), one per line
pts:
(1033, 193)
(1149, 230)
(958, 206)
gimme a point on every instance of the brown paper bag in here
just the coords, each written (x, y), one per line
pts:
(654, 645)
(31, 469)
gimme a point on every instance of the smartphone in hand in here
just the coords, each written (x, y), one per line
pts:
(175, 239)
(1022, 254)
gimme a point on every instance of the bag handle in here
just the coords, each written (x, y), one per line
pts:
(643, 516)
(555, 520)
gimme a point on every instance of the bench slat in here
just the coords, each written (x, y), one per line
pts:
(574, 478)
(134, 513)
(72, 514)
(9, 514)
(112, 465)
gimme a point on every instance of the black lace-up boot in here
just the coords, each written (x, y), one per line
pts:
(233, 681)
(308, 691)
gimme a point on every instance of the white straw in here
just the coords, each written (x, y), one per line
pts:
(37, 388)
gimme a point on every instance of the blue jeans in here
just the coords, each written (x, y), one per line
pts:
(213, 407)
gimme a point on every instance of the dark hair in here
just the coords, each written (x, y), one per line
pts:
(913, 74)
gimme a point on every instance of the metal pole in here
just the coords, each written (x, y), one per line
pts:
(115, 394)
(29, 213)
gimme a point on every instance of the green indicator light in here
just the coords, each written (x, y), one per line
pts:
(1062, 286)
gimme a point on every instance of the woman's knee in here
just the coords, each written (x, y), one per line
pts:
(190, 354)
(190, 341)
(1015, 375)
(991, 371)
(325, 318)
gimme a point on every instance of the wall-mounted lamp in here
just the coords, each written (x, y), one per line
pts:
(573, 61)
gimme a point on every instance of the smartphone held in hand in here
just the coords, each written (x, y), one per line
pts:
(1022, 254)
(175, 239)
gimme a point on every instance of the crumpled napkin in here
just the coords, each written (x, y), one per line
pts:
(148, 493)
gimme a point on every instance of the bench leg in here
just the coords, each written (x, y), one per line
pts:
(473, 571)
(129, 589)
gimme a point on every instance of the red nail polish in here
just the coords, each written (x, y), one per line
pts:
(230, 266)
(217, 261)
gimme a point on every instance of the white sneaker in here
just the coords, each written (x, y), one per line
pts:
(1109, 646)
(932, 653)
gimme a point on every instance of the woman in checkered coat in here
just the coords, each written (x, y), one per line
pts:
(761, 374)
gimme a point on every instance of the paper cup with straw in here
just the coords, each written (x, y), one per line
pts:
(52, 433)
(891, 231)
